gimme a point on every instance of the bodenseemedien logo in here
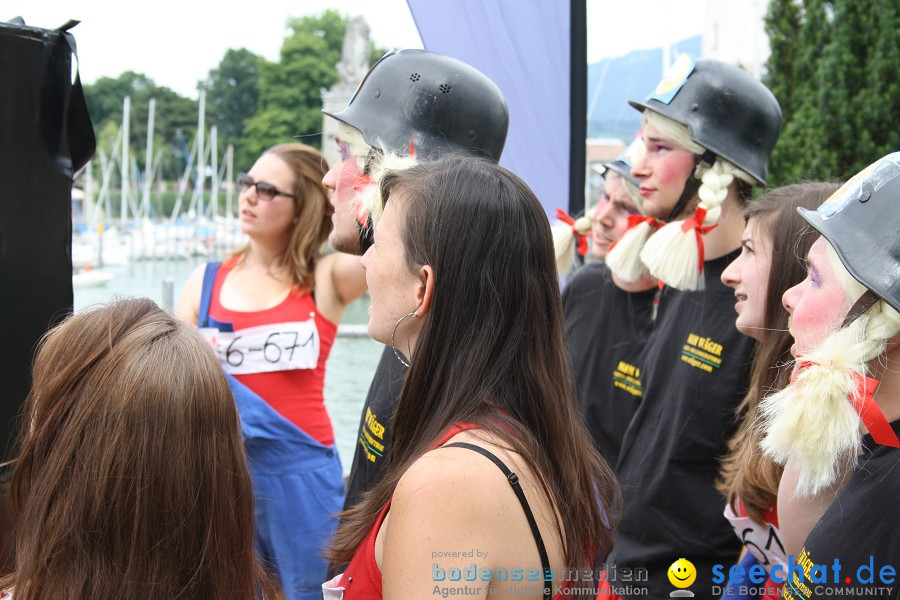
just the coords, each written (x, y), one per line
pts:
(682, 574)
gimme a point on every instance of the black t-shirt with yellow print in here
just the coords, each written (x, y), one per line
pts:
(606, 329)
(694, 370)
(370, 458)
(861, 531)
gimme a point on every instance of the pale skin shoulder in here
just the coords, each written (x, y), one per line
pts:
(454, 509)
(340, 279)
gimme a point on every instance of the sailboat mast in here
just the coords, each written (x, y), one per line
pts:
(201, 156)
(214, 184)
(123, 165)
(148, 159)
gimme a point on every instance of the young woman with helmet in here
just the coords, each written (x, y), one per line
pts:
(709, 128)
(271, 311)
(769, 263)
(836, 425)
(606, 326)
(489, 454)
(412, 106)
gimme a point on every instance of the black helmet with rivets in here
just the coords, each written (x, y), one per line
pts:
(429, 102)
(861, 221)
(725, 109)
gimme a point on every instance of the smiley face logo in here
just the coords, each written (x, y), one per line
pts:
(682, 573)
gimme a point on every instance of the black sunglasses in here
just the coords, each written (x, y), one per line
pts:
(264, 191)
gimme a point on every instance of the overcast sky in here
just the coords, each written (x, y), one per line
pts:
(177, 42)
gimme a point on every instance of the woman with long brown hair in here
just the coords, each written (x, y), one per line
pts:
(770, 262)
(271, 312)
(131, 481)
(490, 459)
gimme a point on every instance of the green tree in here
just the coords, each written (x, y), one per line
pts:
(835, 69)
(232, 95)
(173, 114)
(290, 102)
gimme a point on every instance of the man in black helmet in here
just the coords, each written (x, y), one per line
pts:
(709, 128)
(413, 105)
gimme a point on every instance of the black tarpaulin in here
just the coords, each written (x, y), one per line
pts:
(45, 137)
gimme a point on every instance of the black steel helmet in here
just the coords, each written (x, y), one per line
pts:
(625, 161)
(861, 221)
(622, 168)
(436, 103)
(725, 109)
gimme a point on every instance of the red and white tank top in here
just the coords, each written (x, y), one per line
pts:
(280, 354)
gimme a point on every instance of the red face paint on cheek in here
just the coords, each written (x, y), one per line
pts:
(820, 305)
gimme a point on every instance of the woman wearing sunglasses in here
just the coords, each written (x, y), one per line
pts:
(271, 312)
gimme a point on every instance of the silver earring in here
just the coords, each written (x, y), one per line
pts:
(394, 332)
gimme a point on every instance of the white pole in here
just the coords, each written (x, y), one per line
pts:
(89, 193)
(106, 168)
(214, 186)
(124, 164)
(148, 160)
(229, 175)
(201, 156)
(182, 185)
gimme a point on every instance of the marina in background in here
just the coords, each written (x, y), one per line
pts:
(126, 243)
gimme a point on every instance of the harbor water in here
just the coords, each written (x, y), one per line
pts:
(350, 366)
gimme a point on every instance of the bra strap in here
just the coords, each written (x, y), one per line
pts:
(517, 488)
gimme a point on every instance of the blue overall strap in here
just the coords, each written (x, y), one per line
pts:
(209, 278)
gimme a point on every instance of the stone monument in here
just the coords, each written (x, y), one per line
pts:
(353, 66)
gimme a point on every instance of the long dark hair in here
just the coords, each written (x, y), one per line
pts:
(132, 481)
(746, 471)
(491, 350)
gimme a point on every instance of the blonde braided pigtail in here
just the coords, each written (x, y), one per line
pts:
(624, 257)
(675, 253)
(565, 231)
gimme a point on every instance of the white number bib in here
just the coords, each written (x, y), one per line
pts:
(764, 542)
(266, 348)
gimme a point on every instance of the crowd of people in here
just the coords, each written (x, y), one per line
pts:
(717, 387)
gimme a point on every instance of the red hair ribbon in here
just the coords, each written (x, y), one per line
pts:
(695, 222)
(634, 221)
(864, 404)
(412, 150)
(362, 216)
(582, 239)
(361, 182)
